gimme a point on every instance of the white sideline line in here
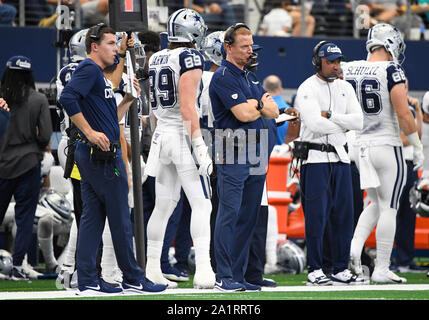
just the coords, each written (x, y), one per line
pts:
(72, 294)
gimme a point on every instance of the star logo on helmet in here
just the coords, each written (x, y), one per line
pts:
(197, 18)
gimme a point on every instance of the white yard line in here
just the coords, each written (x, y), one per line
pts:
(72, 294)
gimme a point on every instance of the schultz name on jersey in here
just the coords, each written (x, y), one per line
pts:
(373, 82)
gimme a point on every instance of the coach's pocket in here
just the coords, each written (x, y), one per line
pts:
(368, 174)
(152, 162)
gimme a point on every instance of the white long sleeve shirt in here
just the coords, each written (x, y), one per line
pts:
(315, 95)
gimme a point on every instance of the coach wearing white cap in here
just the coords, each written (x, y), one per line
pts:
(21, 151)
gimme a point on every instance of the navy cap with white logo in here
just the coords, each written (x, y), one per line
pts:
(19, 63)
(330, 51)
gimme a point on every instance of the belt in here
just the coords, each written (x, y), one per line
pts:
(325, 147)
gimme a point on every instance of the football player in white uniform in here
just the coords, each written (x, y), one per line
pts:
(380, 86)
(174, 76)
(425, 133)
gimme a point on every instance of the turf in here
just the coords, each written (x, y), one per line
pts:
(282, 280)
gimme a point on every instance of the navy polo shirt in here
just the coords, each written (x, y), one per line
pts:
(89, 92)
(229, 87)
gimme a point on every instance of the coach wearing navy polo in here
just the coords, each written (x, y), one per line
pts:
(89, 101)
(239, 105)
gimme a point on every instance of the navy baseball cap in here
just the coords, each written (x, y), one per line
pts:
(331, 52)
(19, 63)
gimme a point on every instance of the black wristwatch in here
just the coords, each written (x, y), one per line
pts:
(260, 105)
(121, 55)
(328, 114)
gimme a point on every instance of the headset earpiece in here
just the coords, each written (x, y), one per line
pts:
(316, 61)
(228, 35)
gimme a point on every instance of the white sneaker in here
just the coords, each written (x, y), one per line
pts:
(355, 267)
(155, 275)
(386, 276)
(345, 278)
(29, 271)
(318, 278)
(204, 277)
(67, 278)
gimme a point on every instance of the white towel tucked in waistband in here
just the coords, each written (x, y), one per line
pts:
(368, 174)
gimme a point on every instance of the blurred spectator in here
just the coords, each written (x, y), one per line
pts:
(273, 85)
(21, 152)
(277, 22)
(93, 11)
(7, 13)
(35, 10)
(384, 10)
(294, 10)
(218, 15)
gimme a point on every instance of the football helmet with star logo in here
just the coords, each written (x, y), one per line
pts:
(212, 47)
(186, 25)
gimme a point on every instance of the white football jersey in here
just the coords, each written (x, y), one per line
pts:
(204, 105)
(165, 68)
(372, 82)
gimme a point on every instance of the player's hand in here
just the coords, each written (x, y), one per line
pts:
(418, 158)
(99, 139)
(201, 153)
(3, 104)
(136, 85)
(123, 44)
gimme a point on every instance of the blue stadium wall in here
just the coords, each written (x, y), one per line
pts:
(289, 58)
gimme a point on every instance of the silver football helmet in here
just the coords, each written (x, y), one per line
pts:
(419, 198)
(390, 38)
(6, 262)
(77, 46)
(138, 49)
(58, 204)
(212, 47)
(186, 25)
(291, 257)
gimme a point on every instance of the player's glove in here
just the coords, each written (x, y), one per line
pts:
(418, 156)
(201, 153)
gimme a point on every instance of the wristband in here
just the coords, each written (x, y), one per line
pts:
(121, 55)
(414, 139)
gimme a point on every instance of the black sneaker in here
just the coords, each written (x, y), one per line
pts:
(18, 273)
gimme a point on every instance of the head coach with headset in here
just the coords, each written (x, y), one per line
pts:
(328, 107)
(239, 105)
(89, 101)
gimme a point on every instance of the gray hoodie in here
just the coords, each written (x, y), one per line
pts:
(28, 134)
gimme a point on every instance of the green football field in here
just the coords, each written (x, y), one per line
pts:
(290, 287)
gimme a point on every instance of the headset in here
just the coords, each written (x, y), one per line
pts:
(228, 34)
(95, 32)
(316, 60)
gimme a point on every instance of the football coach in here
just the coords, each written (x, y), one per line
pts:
(240, 105)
